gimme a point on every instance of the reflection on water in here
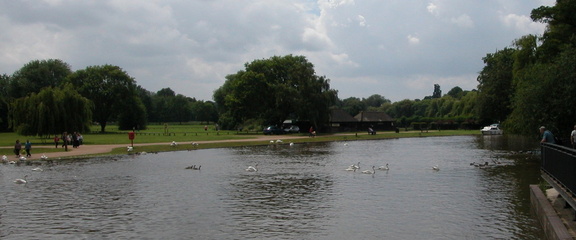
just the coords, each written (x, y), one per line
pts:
(298, 192)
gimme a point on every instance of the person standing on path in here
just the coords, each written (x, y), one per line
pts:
(56, 140)
(17, 148)
(28, 147)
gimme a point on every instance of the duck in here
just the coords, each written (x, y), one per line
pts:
(191, 167)
(370, 171)
(252, 169)
(384, 168)
(21, 181)
(436, 168)
(196, 168)
(173, 144)
(195, 144)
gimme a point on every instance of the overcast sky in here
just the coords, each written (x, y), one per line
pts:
(396, 48)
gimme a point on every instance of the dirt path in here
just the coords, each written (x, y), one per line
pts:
(97, 149)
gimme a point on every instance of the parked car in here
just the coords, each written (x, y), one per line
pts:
(292, 129)
(273, 130)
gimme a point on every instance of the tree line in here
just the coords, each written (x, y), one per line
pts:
(45, 97)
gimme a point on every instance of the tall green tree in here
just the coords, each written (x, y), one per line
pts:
(353, 105)
(495, 88)
(274, 89)
(133, 117)
(51, 111)
(561, 28)
(108, 87)
(38, 74)
(437, 92)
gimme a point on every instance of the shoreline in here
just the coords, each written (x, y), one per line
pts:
(86, 151)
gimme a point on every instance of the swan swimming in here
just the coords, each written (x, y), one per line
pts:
(252, 169)
(357, 166)
(21, 181)
(370, 171)
(384, 168)
(350, 168)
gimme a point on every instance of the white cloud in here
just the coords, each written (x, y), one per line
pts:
(433, 9)
(361, 21)
(522, 24)
(413, 40)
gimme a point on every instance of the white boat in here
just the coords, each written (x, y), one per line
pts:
(493, 129)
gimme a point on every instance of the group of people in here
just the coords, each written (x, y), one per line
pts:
(75, 139)
(548, 137)
(18, 148)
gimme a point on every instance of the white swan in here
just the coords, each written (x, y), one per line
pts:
(384, 168)
(37, 169)
(350, 168)
(21, 181)
(44, 157)
(436, 168)
(252, 169)
(357, 166)
(370, 172)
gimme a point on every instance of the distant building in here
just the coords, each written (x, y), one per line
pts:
(341, 121)
(375, 120)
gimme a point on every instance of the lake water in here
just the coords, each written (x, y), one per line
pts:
(298, 192)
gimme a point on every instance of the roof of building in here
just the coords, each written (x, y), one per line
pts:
(339, 115)
(373, 117)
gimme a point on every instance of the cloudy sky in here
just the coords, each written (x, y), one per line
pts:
(396, 48)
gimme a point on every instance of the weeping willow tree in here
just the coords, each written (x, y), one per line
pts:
(51, 111)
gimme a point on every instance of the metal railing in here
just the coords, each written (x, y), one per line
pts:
(559, 163)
